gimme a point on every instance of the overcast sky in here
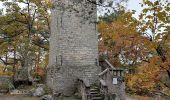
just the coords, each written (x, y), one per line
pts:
(132, 5)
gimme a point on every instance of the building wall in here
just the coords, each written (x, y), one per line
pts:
(116, 89)
(73, 45)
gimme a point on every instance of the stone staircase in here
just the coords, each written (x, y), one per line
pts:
(95, 93)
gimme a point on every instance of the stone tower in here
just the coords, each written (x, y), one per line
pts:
(73, 45)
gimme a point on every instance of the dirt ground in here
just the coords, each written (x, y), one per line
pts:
(18, 97)
(21, 97)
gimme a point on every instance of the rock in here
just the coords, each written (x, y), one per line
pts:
(77, 95)
(40, 85)
(4, 91)
(5, 84)
(39, 92)
(14, 92)
(19, 92)
(32, 91)
(47, 97)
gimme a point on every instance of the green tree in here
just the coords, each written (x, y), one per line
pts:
(25, 32)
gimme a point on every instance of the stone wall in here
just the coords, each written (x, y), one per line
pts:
(73, 45)
(74, 33)
(117, 89)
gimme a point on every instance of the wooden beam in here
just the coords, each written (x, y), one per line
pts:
(110, 65)
(102, 73)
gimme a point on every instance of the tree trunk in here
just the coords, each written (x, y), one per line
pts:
(24, 74)
(164, 57)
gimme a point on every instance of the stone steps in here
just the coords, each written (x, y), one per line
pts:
(95, 93)
(97, 98)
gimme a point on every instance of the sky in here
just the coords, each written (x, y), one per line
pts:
(132, 5)
(0, 4)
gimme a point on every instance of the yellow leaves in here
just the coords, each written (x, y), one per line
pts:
(166, 91)
(144, 28)
(166, 65)
(131, 80)
(158, 36)
(123, 33)
(145, 10)
(48, 1)
(139, 83)
(101, 26)
(117, 29)
(148, 2)
(4, 48)
(133, 46)
(141, 16)
(46, 59)
(4, 72)
(149, 75)
(144, 80)
(156, 60)
(155, 13)
(162, 15)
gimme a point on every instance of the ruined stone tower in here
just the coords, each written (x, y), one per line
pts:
(73, 45)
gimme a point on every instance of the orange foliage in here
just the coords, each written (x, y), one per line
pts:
(40, 71)
(120, 37)
(126, 45)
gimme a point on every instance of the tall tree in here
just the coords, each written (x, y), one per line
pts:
(25, 28)
(143, 44)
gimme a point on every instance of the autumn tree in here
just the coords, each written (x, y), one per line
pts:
(25, 29)
(154, 25)
(122, 39)
(141, 44)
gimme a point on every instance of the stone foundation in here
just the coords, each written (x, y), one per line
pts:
(65, 80)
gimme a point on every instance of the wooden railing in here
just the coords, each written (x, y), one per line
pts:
(109, 64)
(106, 65)
(84, 87)
(109, 71)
